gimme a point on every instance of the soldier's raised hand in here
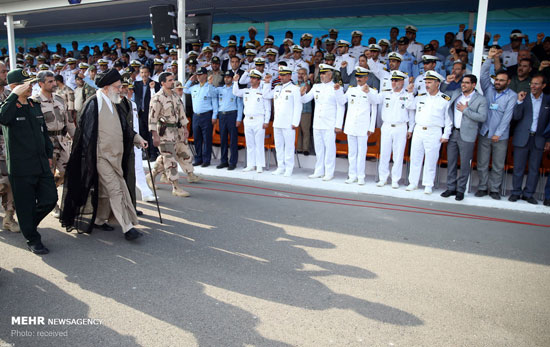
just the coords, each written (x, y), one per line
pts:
(344, 64)
(22, 88)
(336, 86)
(540, 37)
(410, 88)
(365, 88)
(152, 84)
(303, 90)
(267, 78)
(236, 78)
(522, 95)
(496, 37)
(210, 79)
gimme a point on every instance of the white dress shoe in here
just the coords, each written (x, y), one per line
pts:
(395, 185)
(149, 198)
(327, 178)
(361, 181)
(351, 180)
(288, 173)
(278, 172)
(381, 183)
(314, 175)
(248, 168)
(259, 169)
(427, 190)
(411, 187)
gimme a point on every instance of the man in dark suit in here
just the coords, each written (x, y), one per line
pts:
(546, 149)
(532, 114)
(235, 64)
(143, 90)
(468, 110)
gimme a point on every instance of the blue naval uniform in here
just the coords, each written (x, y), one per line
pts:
(205, 108)
(230, 111)
(407, 65)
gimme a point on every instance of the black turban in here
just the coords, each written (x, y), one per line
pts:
(107, 78)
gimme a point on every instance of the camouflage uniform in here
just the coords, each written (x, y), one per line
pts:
(57, 121)
(184, 157)
(8, 222)
(68, 97)
(166, 116)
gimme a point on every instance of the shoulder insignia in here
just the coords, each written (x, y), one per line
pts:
(406, 73)
(446, 97)
(421, 94)
(386, 69)
(59, 98)
(373, 88)
(35, 98)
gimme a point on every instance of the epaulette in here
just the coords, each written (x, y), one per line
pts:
(373, 88)
(35, 98)
(59, 98)
(406, 73)
(386, 69)
(445, 96)
(421, 94)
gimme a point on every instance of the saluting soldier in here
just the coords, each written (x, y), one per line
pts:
(432, 115)
(360, 124)
(288, 112)
(57, 122)
(166, 115)
(29, 158)
(8, 223)
(67, 94)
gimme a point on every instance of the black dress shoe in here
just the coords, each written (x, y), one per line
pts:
(306, 153)
(104, 227)
(459, 196)
(448, 193)
(139, 213)
(222, 165)
(197, 163)
(524, 198)
(495, 195)
(205, 165)
(132, 234)
(513, 198)
(481, 193)
(546, 202)
(532, 200)
(231, 167)
(38, 248)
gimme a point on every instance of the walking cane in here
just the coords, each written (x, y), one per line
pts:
(153, 182)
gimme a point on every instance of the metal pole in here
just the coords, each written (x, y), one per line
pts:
(181, 35)
(480, 38)
(266, 29)
(124, 39)
(471, 20)
(11, 41)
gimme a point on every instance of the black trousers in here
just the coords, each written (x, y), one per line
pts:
(34, 197)
(228, 126)
(531, 157)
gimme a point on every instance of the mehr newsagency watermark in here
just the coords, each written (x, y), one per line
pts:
(53, 327)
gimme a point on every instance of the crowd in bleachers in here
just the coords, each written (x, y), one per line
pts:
(392, 99)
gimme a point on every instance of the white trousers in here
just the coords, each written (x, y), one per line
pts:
(141, 184)
(325, 151)
(357, 156)
(393, 139)
(254, 134)
(284, 147)
(425, 142)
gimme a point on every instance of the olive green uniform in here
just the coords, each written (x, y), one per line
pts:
(28, 148)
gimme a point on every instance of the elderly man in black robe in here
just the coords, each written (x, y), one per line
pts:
(95, 180)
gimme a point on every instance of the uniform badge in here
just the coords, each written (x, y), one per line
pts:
(352, 101)
(387, 105)
(286, 97)
(258, 100)
(402, 106)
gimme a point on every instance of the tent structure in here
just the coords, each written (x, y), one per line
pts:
(43, 16)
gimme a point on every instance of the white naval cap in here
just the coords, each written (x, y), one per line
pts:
(384, 42)
(284, 70)
(59, 65)
(288, 41)
(398, 75)
(251, 52)
(325, 68)
(297, 48)
(426, 58)
(255, 74)
(271, 51)
(102, 62)
(395, 56)
(411, 28)
(374, 47)
(259, 61)
(307, 36)
(207, 49)
(356, 33)
(158, 61)
(432, 75)
(81, 66)
(361, 71)
(268, 40)
(343, 43)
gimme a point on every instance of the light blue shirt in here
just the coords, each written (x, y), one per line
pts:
(90, 82)
(204, 98)
(537, 103)
(407, 65)
(501, 106)
(227, 101)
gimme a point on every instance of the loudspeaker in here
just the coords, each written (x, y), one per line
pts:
(198, 27)
(164, 24)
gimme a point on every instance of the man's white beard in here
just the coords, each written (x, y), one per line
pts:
(113, 96)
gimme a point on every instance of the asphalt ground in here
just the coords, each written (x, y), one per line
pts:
(242, 264)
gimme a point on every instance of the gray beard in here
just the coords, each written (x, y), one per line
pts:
(114, 97)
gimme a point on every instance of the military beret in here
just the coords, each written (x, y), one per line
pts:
(19, 76)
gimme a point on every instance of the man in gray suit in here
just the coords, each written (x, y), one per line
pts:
(532, 114)
(494, 132)
(468, 110)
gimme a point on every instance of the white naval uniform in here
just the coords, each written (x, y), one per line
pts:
(69, 78)
(432, 114)
(416, 50)
(419, 85)
(296, 65)
(272, 68)
(257, 112)
(288, 112)
(308, 53)
(349, 59)
(509, 58)
(360, 119)
(357, 51)
(329, 114)
(141, 183)
(397, 111)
